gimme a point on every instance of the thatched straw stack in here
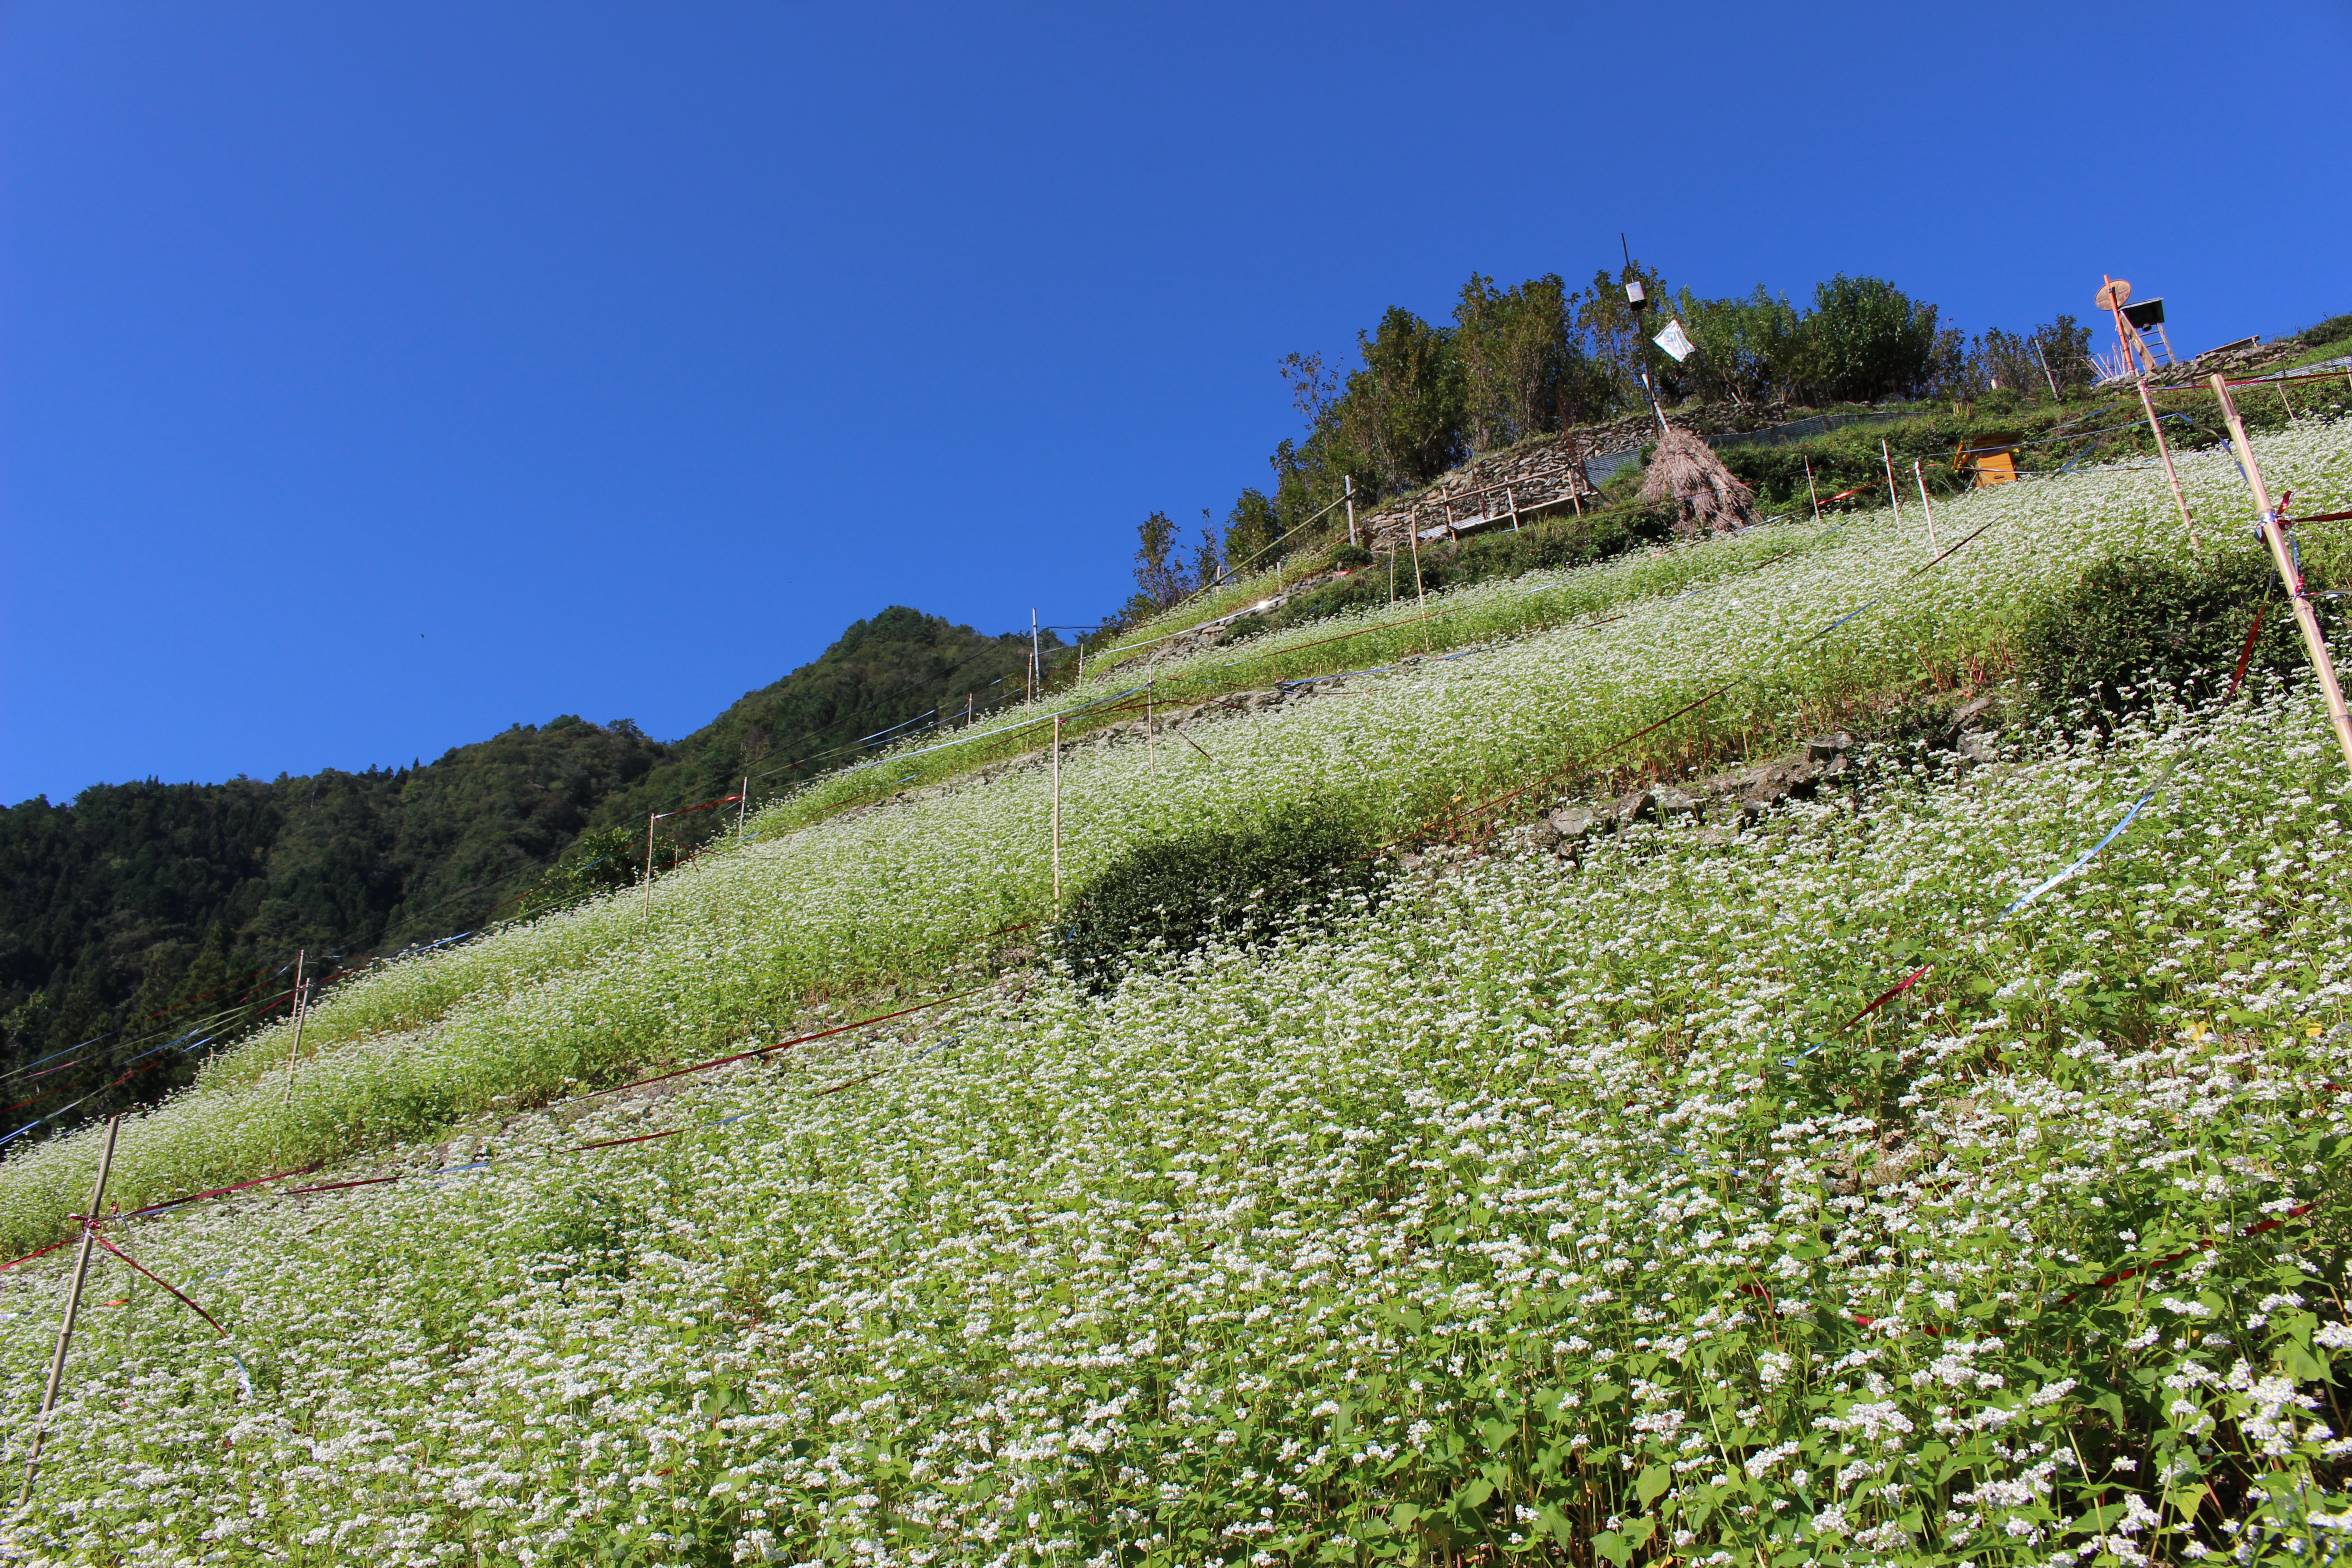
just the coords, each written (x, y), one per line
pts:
(1685, 470)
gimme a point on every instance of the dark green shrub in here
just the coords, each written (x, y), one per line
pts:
(1350, 556)
(1247, 626)
(1249, 881)
(2139, 620)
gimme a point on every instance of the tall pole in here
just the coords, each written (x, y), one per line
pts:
(1150, 749)
(2276, 537)
(1925, 505)
(2045, 371)
(1811, 494)
(1057, 809)
(742, 808)
(73, 1305)
(1412, 531)
(294, 1051)
(1033, 653)
(651, 817)
(2165, 452)
(1351, 482)
(1893, 495)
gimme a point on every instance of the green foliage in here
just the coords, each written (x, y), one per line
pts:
(2140, 623)
(1864, 340)
(1405, 406)
(1746, 347)
(1618, 337)
(149, 899)
(881, 673)
(1524, 368)
(1251, 527)
(601, 861)
(1166, 896)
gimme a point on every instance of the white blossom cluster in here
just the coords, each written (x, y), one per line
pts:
(1538, 1204)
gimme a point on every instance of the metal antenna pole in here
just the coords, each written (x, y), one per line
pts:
(73, 1306)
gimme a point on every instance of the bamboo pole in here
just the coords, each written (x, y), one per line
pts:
(1033, 653)
(294, 1051)
(1350, 480)
(1920, 478)
(743, 808)
(1057, 808)
(1811, 494)
(1413, 533)
(2276, 537)
(73, 1306)
(1893, 495)
(2164, 451)
(651, 817)
(1151, 746)
(2045, 373)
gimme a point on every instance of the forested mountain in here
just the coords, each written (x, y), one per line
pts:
(885, 674)
(144, 920)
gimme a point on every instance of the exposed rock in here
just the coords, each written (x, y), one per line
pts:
(1822, 748)
(1574, 821)
(1673, 803)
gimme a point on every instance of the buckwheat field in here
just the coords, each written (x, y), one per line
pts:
(1514, 1204)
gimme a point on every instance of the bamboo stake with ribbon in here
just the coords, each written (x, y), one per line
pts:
(2273, 533)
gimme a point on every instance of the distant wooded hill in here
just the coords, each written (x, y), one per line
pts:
(141, 909)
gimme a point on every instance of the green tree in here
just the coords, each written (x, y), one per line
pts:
(1159, 578)
(1404, 407)
(1618, 337)
(1252, 529)
(1865, 339)
(1746, 346)
(1522, 362)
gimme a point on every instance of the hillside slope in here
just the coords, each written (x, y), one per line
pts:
(1572, 1206)
(163, 906)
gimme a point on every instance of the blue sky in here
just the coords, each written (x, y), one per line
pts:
(374, 377)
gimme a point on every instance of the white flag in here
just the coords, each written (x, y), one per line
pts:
(1676, 342)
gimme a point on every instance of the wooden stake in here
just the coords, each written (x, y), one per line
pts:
(651, 817)
(294, 1051)
(1424, 593)
(1893, 495)
(2276, 537)
(1925, 505)
(1811, 494)
(1033, 653)
(73, 1306)
(1150, 749)
(1350, 480)
(1511, 500)
(742, 808)
(2284, 404)
(2165, 452)
(1057, 808)
(2045, 373)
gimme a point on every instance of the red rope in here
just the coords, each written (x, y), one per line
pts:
(150, 1274)
(1908, 981)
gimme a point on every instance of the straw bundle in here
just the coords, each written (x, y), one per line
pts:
(1685, 470)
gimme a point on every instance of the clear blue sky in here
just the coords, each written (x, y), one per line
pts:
(375, 377)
